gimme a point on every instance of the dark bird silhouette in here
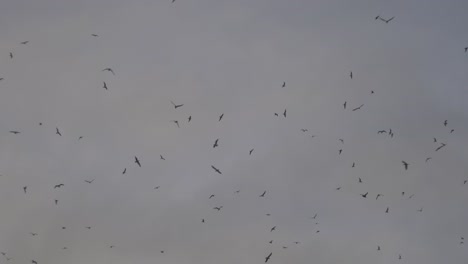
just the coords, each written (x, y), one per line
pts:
(405, 164)
(285, 247)
(411, 196)
(445, 122)
(25, 42)
(297, 242)
(273, 229)
(137, 161)
(386, 211)
(56, 202)
(284, 113)
(428, 159)
(157, 187)
(104, 86)
(176, 122)
(11, 55)
(340, 151)
(342, 141)
(238, 191)
(33, 234)
(25, 188)
(57, 131)
(263, 194)
(284, 84)
(354, 164)
(80, 137)
(360, 181)
(109, 70)
(441, 146)
(304, 130)
(124, 171)
(276, 114)
(435, 140)
(59, 185)
(218, 208)
(451, 131)
(344, 105)
(271, 242)
(250, 152)
(221, 117)
(365, 195)
(378, 195)
(268, 257)
(33, 262)
(420, 210)
(189, 119)
(216, 169)
(315, 216)
(176, 106)
(14, 132)
(378, 248)
(387, 21)
(338, 188)
(381, 132)
(351, 75)
(377, 17)
(466, 49)
(88, 227)
(465, 181)
(91, 181)
(94, 35)
(215, 143)
(399, 256)
(203, 220)
(357, 108)
(211, 196)
(161, 157)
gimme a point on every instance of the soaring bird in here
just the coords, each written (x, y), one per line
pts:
(33, 234)
(268, 257)
(161, 157)
(137, 161)
(378, 248)
(189, 118)
(109, 70)
(176, 106)
(340, 151)
(451, 131)
(124, 171)
(442, 145)
(284, 84)
(315, 216)
(378, 195)
(216, 169)
(176, 122)
(273, 229)
(250, 152)
(271, 242)
(377, 17)
(342, 140)
(14, 132)
(215, 143)
(466, 49)
(405, 164)
(399, 256)
(297, 242)
(218, 208)
(33, 262)
(284, 113)
(428, 159)
(79, 138)
(357, 108)
(11, 55)
(338, 188)
(203, 220)
(25, 188)
(360, 181)
(420, 210)
(351, 75)
(94, 35)
(276, 114)
(411, 196)
(57, 131)
(381, 132)
(465, 181)
(386, 21)
(445, 122)
(211, 196)
(25, 42)
(365, 195)
(157, 187)
(91, 181)
(304, 130)
(344, 105)
(386, 211)
(56, 202)
(263, 194)
(435, 140)
(354, 164)
(59, 185)
(221, 117)
(104, 86)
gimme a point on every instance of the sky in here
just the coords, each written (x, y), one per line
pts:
(232, 57)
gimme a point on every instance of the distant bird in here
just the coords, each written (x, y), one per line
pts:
(250, 152)
(63, 228)
(25, 42)
(381, 132)
(56, 202)
(33, 262)
(91, 181)
(372, 92)
(215, 143)
(284, 84)
(80, 137)
(176, 106)
(124, 171)
(360, 181)
(157, 187)
(378, 195)
(399, 256)
(189, 118)
(377, 17)
(297, 242)
(465, 181)
(405, 164)
(365, 195)
(340, 151)
(40, 124)
(451, 131)
(420, 210)
(273, 229)
(378, 248)
(57, 131)
(11, 55)
(386, 211)
(285, 247)
(315, 216)
(268, 257)
(25, 188)
(338, 188)
(466, 49)
(15, 132)
(94, 35)
(218, 208)
(435, 140)
(276, 114)
(263, 194)
(203, 220)
(216, 169)
(442, 145)
(64, 248)
(271, 242)
(411, 196)
(342, 141)
(161, 157)
(137, 161)
(428, 159)
(221, 117)
(237, 191)
(351, 75)
(354, 164)
(344, 105)
(176, 122)
(304, 130)
(445, 122)
(162, 251)
(33, 234)
(284, 113)
(88, 227)
(109, 70)
(211, 196)
(59, 185)
(387, 21)
(357, 108)
(104, 86)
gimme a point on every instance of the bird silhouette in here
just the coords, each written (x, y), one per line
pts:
(284, 84)
(381, 132)
(105, 85)
(216, 169)
(25, 42)
(357, 108)
(33, 234)
(365, 195)
(441, 146)
(342, 141)
(378, 248)
(250, 152)
(33, 262)
(284, 113)
(56, 202)
(15, 132)
(445, 122)
(405, 164)
(59, 185)
(420, 210)
(94, 35)
(221, 117)
(344, 105)
(351, 75)
(218, 208)
(354, 164)
(315, 216)
(137, 161)
(386, 211)
(57, 131)
(25, 188)
(378, 195)
(109, 70)
(203, 220)
(91, 181)
(304, 130)
(161, 157)
(11, 55)
(176, 122)
(276, 114)
(79, 138)
(176, 106)
(271, 242)
(360, 181)
(399, 256)
(88, 227)
(338, 188)
(124, 171)
(268, 257)
(466, 49)
(215, 143)
(211, 196)
(339, 152)
(451, 131)
(189, 119)
(435, 140)
(263, 194)
(157, 187)
(273, 229)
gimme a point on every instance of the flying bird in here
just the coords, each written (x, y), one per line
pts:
(284, 113)
(365, 195)
(104, 86)
(387, 21)
(263, 194)
(33, 234)
(25, 42)
(1, 79)
(15, 132)
(268, 257)
(80, 137)
(405, 164)
(315, 216)
(304, 130)
(273, 229)
(221, 117)
(137, 161)
(411, 196)
(189, 118)
(57, 131)
(59, 185)
(11, 55)
(124, 171)
(340, 151)
(344, 105)
(386, 211)
(276, 114)
(354, 164)
(211, 196)
(271, 242)
(250, 152)
(284, 84)
(445, 122)
(342, 141)
(378, 248)
(428, 159)
(176, 106)
(218, 208)
(56, 202)
(161, 157)
(357, 108)
(360, 181)
(435, 140)
(466, 49)
(451, 131)
(25, 188)
(381, 132)
(91, 181)
(33, 262)
(442, 145)
(216, 169)
(215, 143)
(109, 70)
(378, 195)
(351, 75)
(176, 122)
(94, 35)
(420, 210)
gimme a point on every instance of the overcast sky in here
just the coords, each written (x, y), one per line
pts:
(232, 57)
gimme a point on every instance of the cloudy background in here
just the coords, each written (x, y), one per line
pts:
(232, 57)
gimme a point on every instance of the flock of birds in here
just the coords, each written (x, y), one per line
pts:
(216, 169)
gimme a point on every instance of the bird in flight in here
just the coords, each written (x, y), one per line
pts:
(340, 151)
(342, 140)
(216, 143)
(56, 202)
(161, 157)
(14, 132)
(381, 132)
(25, 42)
(344, 105)
(109, 70)
(59, 185)
(338, 188)
(378, 195)
(176, 122)
(357, 108)
(441, 146)
(435, 140)
(80, 137)
(176, 106)
(428, 159)
(216, 169)
(351, 75)
(386, 21)
(360, 181)
(263, 194)
(268, 257)
(25, 188)
(221, 117)
(33, 234)
(250, 152)
(137, 161)
(273, 229)
(378, 248)
(451, 131)
(365, 195)
(284, 84)
(420, 210)
(105, 85)
(304, 130)
(466, 49)
(94, 35)
(11, 55)
(33, 262)
(157, 187)
(386, 211)
(405, 164)
(211, 196)
(218, 208)
(445, 122)
(315, 216)
(354, 164)
(411, 196)
(57, 131)
(91, 181)
(271, 242)
(284, 113)
(189, 118)
(276, 114)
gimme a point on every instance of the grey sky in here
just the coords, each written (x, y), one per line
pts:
(232, 57)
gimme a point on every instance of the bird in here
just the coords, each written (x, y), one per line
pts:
(427, 159)
(104, 86)
(285, 247)
(297, 242)
(411, 196)
(216, 169)
(284, 113)
(215, 143)
(88, 227)
(344, 105)
(271, 242)
(15, 132)
(268, 257)
(94, 35)
(250, 152)
(157, 187)
(365, 195)
(405, 164)
(33, 262)
(109, 70)
(57, 131)
(189, 118)
(218, 208)
(354, 164)
(284, 84)
(441, 146)
(124, 171)
(33, 234)
(351, 75)
(25, 188)
(162, 251)
(263, 194)
(276, 114)
(466, 49)
(63, 228)
(338, 188)
(378, 195)
(420, 210)
(161, 157)
(11, 55)
(80, 137)
(238, 191)
(91, 181)
(59, 185)
(387, 21)
(465, 181)
(176, 106)
(378, 248)
(211, 196)
(377, 17)
(137, 161)
(304, 130)
(435, 140)
(315, 216)
(340, 151)
(386, 211)
(342, 141)
(360, 181)
(445, 122)
(399, 256)
(357, 108)
(381, 132)
(221, 117)
(451, 131)
(176, 122)
(25, 42)
(203, 220)
(273, 229)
